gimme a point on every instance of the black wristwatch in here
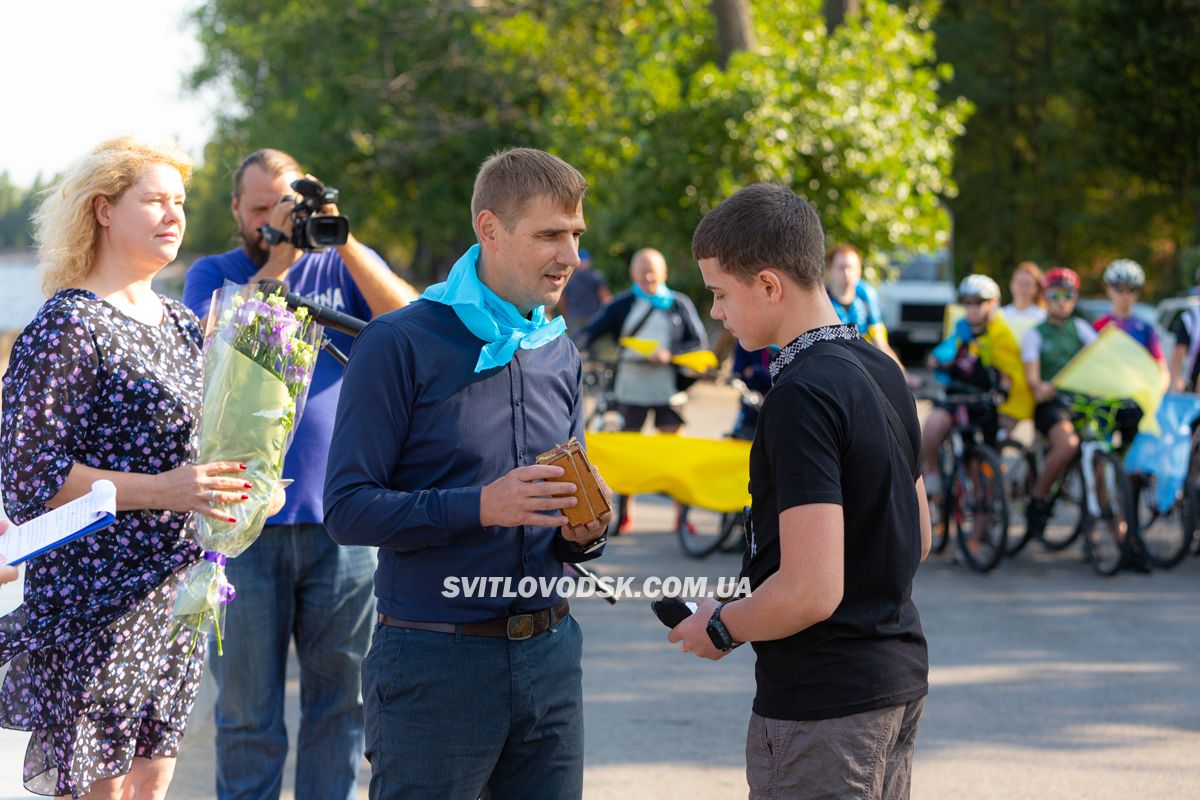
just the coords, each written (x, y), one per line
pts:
(718, 633)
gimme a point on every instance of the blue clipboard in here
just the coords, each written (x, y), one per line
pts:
(96, 510)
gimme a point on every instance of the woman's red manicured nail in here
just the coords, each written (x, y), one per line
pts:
(241, 466)
(245, 497)
(233, 519)
(247, 485)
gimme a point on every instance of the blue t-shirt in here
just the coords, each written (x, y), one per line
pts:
(323, 278)
(863, 310)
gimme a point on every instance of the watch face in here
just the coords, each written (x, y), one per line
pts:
(718, 635)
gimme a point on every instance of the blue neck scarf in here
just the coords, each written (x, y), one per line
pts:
(490, 317)
(662, 299)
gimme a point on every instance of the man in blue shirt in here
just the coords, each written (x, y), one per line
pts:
(854, 301)
(295, 581)
(474, 678)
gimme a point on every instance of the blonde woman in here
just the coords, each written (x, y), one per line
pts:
(105, 383)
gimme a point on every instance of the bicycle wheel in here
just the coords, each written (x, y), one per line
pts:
(701, 531)
(735, 536)
(1169, 540)
(1145, 505)
(1108, 537)
(1066, 522)
(1020, 472)
(941, 504)
(981, 518)
(1191, 498)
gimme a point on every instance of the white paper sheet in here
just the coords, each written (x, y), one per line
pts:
(94, 511)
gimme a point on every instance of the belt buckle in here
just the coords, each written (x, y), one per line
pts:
(520, 627)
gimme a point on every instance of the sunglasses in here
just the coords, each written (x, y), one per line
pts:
(1124, 288)
(1060, 295)
(971, 301)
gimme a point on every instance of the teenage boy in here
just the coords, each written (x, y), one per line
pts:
(1123, 282)
(1045, 350)
(839, 526)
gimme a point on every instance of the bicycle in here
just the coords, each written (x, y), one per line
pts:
(1019, 466)
(1165, 536)
(973, 496)
(599, 380)
(705, 533)
(1108, 497)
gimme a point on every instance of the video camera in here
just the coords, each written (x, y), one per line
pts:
(312, 230)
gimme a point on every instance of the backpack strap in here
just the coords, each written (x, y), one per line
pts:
(893, 417)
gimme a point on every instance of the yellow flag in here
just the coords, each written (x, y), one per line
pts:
(643, 347)
(706, 473)
(1116, 366)
(1006, 357)
(697, 360)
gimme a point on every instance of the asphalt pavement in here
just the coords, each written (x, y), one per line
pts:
(1047, 681)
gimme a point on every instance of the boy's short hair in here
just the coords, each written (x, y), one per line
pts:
(764, 225)
(511, 178)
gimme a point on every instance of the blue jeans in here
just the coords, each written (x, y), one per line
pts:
(448, 715)
(293, 581)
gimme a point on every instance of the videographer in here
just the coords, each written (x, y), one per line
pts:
(295, 581)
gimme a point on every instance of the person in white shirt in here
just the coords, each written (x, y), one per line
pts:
(1028, 306)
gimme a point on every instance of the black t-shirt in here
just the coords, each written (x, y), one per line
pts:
(823, 437)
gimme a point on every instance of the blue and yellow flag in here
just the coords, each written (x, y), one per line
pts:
(1116, 366)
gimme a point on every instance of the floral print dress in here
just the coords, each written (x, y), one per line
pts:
(96, 675)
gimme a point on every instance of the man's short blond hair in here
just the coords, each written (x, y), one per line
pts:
(65, 228)
(508, 180)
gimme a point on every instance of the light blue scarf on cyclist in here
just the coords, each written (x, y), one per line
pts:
(662, 299)
(490, 317)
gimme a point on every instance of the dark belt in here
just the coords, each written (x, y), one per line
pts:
(516, 627)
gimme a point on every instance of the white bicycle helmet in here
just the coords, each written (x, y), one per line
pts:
(980, 286)
(1125, 272)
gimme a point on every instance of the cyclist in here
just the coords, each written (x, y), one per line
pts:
(1123, 280)
(854, 301)
(1045, 350)
(980, 354)
(1185, 359)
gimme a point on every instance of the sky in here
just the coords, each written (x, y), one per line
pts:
(79, 72)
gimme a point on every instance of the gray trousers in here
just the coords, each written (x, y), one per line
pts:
(865, 756)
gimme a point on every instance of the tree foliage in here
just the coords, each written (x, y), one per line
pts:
(17, 204)
(1086, 123)
(398, 102)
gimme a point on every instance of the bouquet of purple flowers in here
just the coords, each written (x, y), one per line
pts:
(258, 361)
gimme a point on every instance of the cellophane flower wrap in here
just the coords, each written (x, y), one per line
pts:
(258, 361)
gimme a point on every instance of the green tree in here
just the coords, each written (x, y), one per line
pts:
(1085, 114)
(1140, 77)
(17, 204)
(398, 102)
(852, 119)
